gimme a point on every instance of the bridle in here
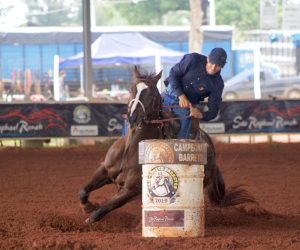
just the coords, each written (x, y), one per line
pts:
(139, 102)
(135, 101)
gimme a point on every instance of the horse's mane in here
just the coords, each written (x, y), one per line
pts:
(146, 77)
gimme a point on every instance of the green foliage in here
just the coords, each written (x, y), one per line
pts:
(54, 13)
(179, 17)
(243, 15)
(150, 12)
(4, 9)
(107, 15)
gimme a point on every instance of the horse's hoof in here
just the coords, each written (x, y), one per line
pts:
(88, 221)
(89, 207)
(83, 196)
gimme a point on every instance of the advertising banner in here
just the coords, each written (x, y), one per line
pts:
(256, 117)
(32, 120)
(61, 120)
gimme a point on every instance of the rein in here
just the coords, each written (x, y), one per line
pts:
(161, 121)
(173, 107)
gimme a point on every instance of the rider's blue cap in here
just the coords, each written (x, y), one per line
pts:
(218, 56)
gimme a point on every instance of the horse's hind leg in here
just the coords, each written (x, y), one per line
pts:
(99, 179)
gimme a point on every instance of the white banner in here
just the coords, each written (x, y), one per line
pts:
(268, 14)
(291, 14)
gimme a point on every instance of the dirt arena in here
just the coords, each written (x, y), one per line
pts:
(40, 208)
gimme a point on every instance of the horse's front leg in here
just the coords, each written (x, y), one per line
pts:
(99, 179)
(132, 187)
(121, 198)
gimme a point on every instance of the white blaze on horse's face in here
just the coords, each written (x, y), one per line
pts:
(140, 87)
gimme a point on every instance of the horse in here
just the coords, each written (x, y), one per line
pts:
(120, 166)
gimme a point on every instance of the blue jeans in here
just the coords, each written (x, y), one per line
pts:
(125, 128)
(185, 124)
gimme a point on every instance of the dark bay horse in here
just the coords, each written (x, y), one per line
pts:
(121, 162)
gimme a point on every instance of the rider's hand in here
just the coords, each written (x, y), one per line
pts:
(194, 112)
(183, 101)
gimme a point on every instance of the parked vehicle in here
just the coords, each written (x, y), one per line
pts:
(241, 86)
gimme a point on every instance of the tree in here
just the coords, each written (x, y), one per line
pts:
(150, 12)
(54, 12)
(10, 15)
(107, 14)
(244, 15)
(196, 35)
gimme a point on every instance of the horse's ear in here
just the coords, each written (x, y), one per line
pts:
(158, 76)
(136, 71)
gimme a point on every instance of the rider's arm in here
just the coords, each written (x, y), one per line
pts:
(183, 101)
(214, 101)
(177, 72)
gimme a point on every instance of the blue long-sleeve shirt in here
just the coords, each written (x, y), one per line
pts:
(189, 77)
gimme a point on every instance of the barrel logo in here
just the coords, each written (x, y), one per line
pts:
(162, 184)
(159, 153)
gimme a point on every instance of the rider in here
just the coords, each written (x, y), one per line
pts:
(191, 80)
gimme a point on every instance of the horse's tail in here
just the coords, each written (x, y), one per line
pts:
(220, 196)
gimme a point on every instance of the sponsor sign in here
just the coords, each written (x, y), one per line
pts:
(84, 130)
(29, 121)
(164, 218)
(82, 114)
(172, 151)
(261, 116)
(38, 120)
(213, 128)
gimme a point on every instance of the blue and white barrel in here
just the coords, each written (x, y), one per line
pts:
(173, 200)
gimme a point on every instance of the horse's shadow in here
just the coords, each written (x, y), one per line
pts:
(215, 217)
(252, 219)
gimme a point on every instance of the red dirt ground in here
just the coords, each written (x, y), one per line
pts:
(40, 208)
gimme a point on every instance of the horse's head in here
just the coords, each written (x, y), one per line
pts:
(145, 100)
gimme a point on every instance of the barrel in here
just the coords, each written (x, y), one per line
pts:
(172, 195)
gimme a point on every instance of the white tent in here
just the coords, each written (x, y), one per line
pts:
(124, 48)
(121, 49)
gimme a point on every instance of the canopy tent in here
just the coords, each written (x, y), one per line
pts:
(119, 49)
(124, 48)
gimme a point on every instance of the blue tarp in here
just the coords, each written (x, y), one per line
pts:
(124, 48)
